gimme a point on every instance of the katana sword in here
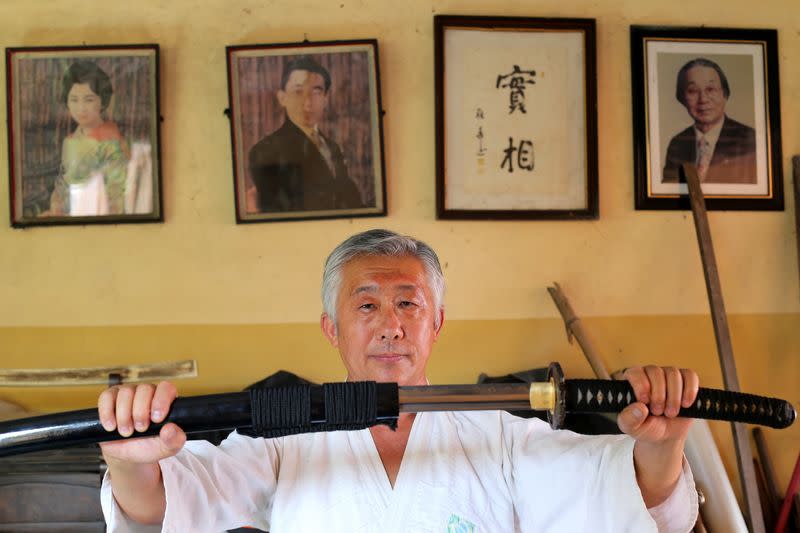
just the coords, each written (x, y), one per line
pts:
(287, 410)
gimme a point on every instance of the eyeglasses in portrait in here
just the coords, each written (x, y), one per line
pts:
(709, 97)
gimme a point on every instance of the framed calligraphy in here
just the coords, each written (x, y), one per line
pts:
(707, 96)
(83, 134)
(306, 130)
(516, 118)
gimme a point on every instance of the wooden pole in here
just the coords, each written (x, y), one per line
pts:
(741, 439)
(796, 168)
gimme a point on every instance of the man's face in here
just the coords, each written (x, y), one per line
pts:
(386, 320)
(704, 97)
(304, 97)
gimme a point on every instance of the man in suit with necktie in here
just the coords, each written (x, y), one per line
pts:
(297, 167)
(722, 149)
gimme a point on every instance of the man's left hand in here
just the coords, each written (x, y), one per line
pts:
(660, 393)
(652, 421)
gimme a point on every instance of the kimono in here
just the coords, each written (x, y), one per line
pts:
(93, 174)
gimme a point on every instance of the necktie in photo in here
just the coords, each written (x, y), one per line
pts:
(703, 157)
(322, 146)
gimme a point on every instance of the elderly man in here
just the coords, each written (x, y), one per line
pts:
(722, 149)
(452, 471)
(297, 167)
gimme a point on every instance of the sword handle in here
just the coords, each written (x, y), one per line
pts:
(604, 396)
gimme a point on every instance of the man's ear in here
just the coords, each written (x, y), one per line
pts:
(329, 329)
(438, 329)
(281, 97)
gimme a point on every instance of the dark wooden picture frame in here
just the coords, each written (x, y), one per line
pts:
(84, 138)
(713, 86)
(306, 130)
(516, 118)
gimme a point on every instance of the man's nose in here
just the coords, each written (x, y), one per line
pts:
(391, 328)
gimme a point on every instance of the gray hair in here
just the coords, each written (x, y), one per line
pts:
(379, 242)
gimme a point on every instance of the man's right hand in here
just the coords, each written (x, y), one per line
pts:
(130, 409)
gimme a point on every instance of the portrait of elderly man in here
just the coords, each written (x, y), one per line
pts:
(722, 149)
(298, 167)
(383, 311)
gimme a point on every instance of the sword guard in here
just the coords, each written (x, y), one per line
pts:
(556, 416)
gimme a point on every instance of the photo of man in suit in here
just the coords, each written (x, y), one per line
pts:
(298, 167)
(722, 149)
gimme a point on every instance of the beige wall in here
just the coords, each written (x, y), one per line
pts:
(243, 300)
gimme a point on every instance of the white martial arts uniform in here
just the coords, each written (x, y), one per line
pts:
(464, 472)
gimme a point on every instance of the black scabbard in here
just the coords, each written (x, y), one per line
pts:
(193, 414)
(328, 407)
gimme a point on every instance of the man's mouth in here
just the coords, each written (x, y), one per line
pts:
(387, 357)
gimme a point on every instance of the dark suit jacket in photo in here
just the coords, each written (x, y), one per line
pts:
(733, 161)
(290, 174)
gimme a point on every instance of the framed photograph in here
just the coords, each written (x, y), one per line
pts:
(709, 97)
(306, 131)
(83, 134)
(516, 118)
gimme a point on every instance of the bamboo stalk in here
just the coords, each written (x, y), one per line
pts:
(575, 328)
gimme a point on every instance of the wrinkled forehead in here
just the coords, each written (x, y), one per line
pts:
(378, 273)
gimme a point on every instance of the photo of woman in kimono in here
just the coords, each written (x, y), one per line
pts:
(94, 155)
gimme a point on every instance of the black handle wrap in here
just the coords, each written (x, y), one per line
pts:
(604, 396)
(293, 409)
(277, 411)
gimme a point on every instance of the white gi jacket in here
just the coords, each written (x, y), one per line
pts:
(464, 472)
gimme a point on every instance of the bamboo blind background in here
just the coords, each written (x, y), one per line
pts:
(44, 121)
(346, 119)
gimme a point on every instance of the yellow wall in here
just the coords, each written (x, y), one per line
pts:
(243, 300)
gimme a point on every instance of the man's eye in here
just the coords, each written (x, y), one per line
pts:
(406, 303)
(366, 306)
